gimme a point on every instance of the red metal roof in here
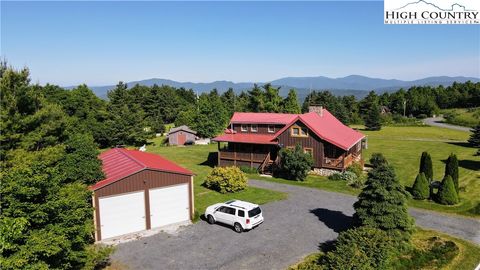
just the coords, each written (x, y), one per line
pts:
(262, 118)
(246, 138)
(330, 129)
(118, 163)
(325, 126)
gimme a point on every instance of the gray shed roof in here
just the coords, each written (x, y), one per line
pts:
(182, 127)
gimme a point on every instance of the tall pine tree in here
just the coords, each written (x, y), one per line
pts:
(474, 139)
(372, 119)
(451, 168)
(290, 103)
(382, 204)
(426, 166)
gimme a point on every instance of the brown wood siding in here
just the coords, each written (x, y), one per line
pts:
(143, 180)
(312, 141)
(262, 128)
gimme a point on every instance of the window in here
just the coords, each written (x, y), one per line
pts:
(244, 128)
(309, 151)
(227, 210)
(271, 129)
(254, 128)
(241, 213)
(296, 131)
(255, 211)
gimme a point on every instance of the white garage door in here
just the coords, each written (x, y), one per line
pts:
(122, 214)
(169, 205)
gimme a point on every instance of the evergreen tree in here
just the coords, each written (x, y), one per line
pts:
(256, 102)
(290, 103)
(447, 193)
(421, 187)
(382, 204)
(451, 168)
(272, 98)
(426, 166)
(377, 159)
(474, 139)
(373, 118)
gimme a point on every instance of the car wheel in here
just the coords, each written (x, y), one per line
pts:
(238, 228)
(210, 219)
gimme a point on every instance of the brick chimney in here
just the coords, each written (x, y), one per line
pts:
(317, 109)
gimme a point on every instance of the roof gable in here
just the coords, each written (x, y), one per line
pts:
(118, 163)
(183, 128)
(328, 128)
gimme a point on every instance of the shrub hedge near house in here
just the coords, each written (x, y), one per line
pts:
(226, 179)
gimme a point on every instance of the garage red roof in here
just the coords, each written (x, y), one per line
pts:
(324, 125)
(246, 138)
(118, 163)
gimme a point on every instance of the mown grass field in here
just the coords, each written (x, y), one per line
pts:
(194, 158)
(402, 146)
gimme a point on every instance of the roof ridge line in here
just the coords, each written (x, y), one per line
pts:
(125, 153)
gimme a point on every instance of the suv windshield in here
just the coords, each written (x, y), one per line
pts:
(255, 211)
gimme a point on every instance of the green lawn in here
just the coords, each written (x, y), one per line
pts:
(403, 147)
(195, 159)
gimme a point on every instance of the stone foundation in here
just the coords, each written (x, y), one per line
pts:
(323, 171)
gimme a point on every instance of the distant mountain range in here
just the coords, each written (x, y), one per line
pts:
(351, 85)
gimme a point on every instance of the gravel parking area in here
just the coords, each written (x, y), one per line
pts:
(293, 228)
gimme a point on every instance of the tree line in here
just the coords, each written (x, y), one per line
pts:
(132, 115)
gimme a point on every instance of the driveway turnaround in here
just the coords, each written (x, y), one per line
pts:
(293, 228)
(438, 122)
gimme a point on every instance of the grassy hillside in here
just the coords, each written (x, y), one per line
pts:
(462, 117)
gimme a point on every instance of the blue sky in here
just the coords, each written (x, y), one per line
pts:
(99, 43)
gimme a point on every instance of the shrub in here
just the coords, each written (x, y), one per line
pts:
(382, 205)
(447, 193)
(335, 176)
(451, 168)
(434, 254)
(248, 169)
(295, 164)
(226, 179)
(311, 262)
(356, 168)
(348, 176)
(421, 188)
(357, 182)
(475, 210)
(474, 139)
(426, 166)
(377, 159)
(360, 248)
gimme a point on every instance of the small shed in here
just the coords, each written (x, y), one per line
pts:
(141, 191)
(180, 135)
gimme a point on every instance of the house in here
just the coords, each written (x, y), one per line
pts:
(254, 139)
(180, 135)
(141, 191)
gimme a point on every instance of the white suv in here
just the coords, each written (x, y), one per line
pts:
(239, 214)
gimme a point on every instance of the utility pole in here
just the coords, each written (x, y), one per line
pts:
(404, 106)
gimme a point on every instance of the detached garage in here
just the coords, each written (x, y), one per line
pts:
(142, 191)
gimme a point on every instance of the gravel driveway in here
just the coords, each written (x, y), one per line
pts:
(293, 228)
(438, 122)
